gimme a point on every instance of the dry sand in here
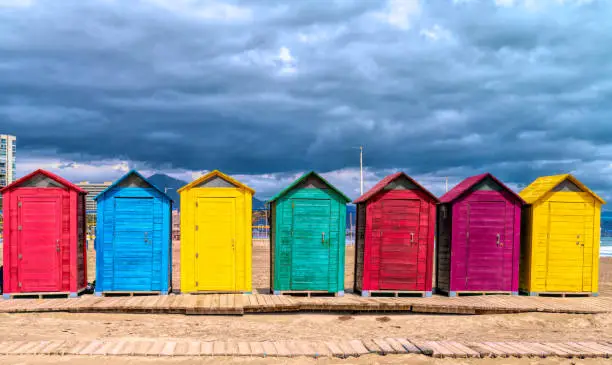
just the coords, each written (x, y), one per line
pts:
(528, 326)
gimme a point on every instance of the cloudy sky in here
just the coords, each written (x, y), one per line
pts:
(265, 90)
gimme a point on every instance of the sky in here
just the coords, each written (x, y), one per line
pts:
(265, 90)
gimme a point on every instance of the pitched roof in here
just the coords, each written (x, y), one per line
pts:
(544, 184)
(214, 173)
(304, 177)
(48, 174)
(470, 182)
(131, 172)
(386, 181)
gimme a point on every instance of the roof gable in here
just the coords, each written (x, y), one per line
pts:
(484, 181)
(545, 184)
(388, 182)
(216, 179)
(132, 179)
(42, 178)
(310, 178)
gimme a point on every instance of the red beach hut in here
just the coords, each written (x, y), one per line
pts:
(44, 236)
(478, 238)
(395, 238)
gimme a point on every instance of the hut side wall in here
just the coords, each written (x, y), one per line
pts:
(443, 246)
(273, 245)
(360, 229)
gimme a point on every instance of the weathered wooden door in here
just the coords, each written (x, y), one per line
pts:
(133, 241)
(486, 243)
(397, 224)
(566, 245)
(310, 249)
(39, 249)
(215, 244)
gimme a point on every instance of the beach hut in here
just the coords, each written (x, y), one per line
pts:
(478, 238)
(44, 236)
(395, 237)
(307, 226)
(133, 237)
(216, 234)
(561, 231)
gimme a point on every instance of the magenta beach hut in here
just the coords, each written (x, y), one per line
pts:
(478, 238)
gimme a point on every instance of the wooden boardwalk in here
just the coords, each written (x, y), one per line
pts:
(337, 348)
(238, 304)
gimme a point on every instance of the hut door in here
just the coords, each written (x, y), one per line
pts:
(486, 243)
(40, 244)
(398, 229)
(566, 246)
(311, 241)
(215, 244)
(133, 241)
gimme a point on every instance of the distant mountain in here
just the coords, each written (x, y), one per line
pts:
(163, 181)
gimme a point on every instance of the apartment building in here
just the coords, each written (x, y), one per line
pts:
(8, 148)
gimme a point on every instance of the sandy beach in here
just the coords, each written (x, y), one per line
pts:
(309, 326)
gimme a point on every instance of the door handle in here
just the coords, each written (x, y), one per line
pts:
(57, 245)
(323, 238)
(411, 237)
(499, 240)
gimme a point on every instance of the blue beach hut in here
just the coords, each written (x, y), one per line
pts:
(133, 237)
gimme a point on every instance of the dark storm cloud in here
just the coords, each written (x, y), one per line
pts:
(271, 86)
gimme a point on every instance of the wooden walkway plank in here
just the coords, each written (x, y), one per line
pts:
(53, 348)
(397, 347)
(207, 348)
(410, 348)
(385, 348)
(334, 348)
(282, 349)
(156, 348)
(347, 348)
(321, 350)
(244, 349)
(265, 348)
(91, 348)
(358, 347)
(461, 349)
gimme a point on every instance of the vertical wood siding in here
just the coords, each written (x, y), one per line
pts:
(133, 240)
(43, 225)
(561, 247)
(207, 255)
(309, 230)
(483, 252)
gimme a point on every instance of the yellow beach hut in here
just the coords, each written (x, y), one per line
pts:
(216, 235)
(560, 237)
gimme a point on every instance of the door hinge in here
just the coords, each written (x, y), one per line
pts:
(19, 204)
(19, 228)
(20, 256)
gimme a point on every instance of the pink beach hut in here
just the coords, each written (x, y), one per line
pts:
(478, 238)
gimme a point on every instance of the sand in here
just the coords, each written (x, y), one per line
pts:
(308, 326)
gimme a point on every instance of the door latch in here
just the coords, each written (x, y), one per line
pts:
(57, 245)
(20, 256)
(411, 237)
(197, 255)
(323, 238)
(233, 244)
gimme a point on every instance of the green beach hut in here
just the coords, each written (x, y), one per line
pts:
(307, 226)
